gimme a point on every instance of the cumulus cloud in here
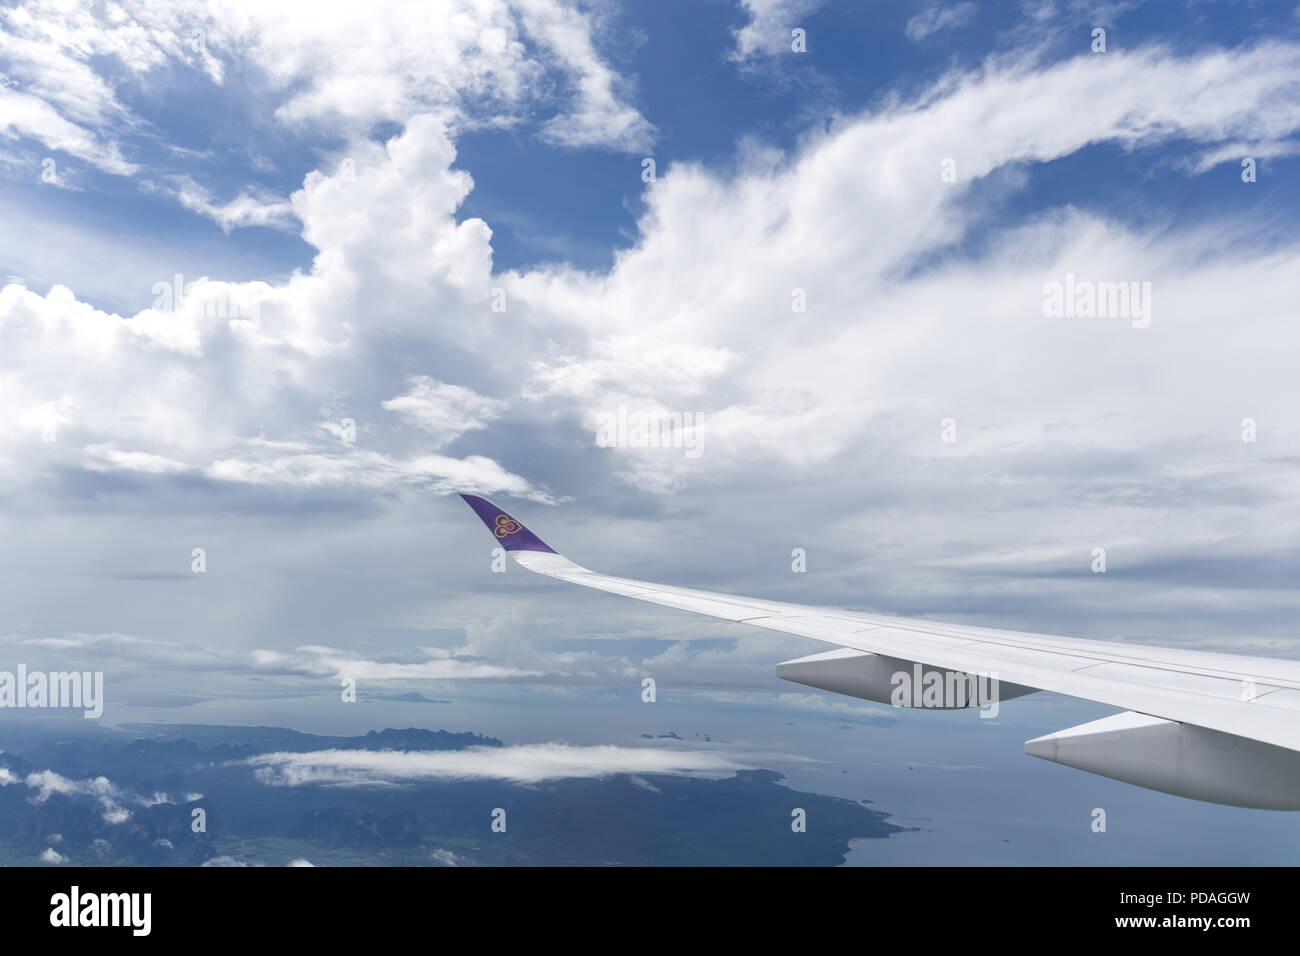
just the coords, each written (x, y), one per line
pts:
(149, 403)
(532, 763)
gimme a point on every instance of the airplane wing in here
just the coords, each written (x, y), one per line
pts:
(1218, 727)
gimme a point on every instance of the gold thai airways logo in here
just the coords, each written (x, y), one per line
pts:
(506, 525)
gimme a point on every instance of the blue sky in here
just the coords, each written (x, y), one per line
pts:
(581, 205)
(347, 194)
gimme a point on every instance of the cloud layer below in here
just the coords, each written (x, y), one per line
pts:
(529, 764)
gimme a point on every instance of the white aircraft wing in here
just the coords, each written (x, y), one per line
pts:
(1218, 727)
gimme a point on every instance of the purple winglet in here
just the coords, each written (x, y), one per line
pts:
(511, 533)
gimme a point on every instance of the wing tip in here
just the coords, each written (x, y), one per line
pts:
(508, 530)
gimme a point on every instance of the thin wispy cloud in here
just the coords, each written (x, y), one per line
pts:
(939, 18)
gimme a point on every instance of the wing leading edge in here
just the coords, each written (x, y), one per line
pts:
(1218, 727)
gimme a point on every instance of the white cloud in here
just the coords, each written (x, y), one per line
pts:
(851, 218)
(310, 661)
(599, 114)
(150, 399)
(25, 115)
(108, 458)
(345, 65)
(767, 31)
(249, 208)
(324, 661)
(532, 763)
(73, 71)
(445, 411)
(936, 19)
(372, 470)
(111, 798)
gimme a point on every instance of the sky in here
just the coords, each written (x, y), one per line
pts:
(278, 280)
